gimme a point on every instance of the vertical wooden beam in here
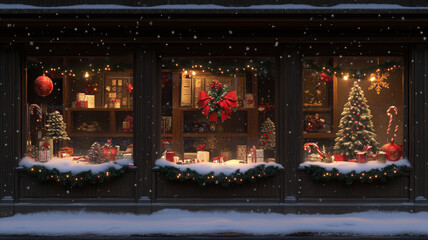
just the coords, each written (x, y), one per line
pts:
(10, 110)
(146, 113)
(289, 111)
(418, 116)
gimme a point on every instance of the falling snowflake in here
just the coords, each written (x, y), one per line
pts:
(378, 81)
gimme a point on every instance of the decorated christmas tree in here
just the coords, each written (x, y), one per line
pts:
(267, 138)
(356, 127)
(55, 128)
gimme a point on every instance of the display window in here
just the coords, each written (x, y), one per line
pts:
(218, 113)
(354, 116)
(78, 118)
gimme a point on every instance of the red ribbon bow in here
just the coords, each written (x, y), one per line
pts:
(226, 103)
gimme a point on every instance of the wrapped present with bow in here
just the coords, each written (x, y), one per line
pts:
(370, 155)
(44, 152)
(218, 103)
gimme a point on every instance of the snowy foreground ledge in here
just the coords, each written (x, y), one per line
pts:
(180, 222)
(75, 167)
(217, 168)
(347, 167)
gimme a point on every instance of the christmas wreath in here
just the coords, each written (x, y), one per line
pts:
(218, 103)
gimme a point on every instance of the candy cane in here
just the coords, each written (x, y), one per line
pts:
(38, 111)
(307, 147)
(390, 121)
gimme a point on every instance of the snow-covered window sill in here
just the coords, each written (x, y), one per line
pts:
(350, 172)
(70, 172)
(217, 173)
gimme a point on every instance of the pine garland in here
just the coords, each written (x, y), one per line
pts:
(373, 176)
(67, 179)
(251, 175)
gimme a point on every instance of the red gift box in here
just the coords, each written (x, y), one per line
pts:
(109, 153)
(220, 159)
(361, 157)
(339, 157)
(170, 156)
(82, 104)
(68, 150)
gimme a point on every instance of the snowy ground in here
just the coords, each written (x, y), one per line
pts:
(180, 222)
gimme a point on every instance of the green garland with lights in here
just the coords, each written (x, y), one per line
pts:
(372, 176)
(251, 175)
(351, 73)
(67, 179)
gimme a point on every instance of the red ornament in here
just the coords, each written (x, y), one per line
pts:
(43, 86)
(393, 151)
(325, 78)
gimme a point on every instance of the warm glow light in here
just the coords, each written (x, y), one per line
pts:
(185, 72)
(372, 78)
(86, 75)
(193, 73)
(346, 77)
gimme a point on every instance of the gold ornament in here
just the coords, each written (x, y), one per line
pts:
(378, 81)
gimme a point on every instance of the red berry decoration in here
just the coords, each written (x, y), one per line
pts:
(325, 78)
(43, 86)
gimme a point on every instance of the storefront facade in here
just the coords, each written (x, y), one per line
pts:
(304, 101)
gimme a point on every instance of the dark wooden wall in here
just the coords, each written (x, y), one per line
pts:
(289, 187)
(141, 3)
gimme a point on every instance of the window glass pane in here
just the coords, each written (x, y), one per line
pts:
(218, 110)
(79, 108)
(353, 109)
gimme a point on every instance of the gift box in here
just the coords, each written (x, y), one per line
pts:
(220, 159)
(169, 156)
(63, 154)
(82, 104)
(47, 144)
(241, 152)
(191, 155)
(339, 157)
(68, 150)
(44, 155)
(176, 159)
(381, 156)
(109, 154)
(260, 155)
(91, 101)
(117, 103)
(203, 156)
(226, 154)
(361, 157)
(80, 97)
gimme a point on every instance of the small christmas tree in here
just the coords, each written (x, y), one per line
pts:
(95, 154)
(356, 126)
(267, 138)
(55, 128)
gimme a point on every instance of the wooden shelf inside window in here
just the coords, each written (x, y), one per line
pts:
(319, 135)
(166, 135)
(100, 134)
(100, 109)
(317, 109)
(215, 134)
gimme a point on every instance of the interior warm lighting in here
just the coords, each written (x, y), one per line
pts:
(193, 73)
(86, 75)
(346, 77)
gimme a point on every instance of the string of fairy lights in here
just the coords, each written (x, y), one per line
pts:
(68, 179)
(251, 175)
(372, 176)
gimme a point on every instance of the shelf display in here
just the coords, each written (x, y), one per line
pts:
(345, 99)
(209, 110)
(77, 109)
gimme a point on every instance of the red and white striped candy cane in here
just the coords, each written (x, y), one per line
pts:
(307, 147)
(38, 111)
(390, 121)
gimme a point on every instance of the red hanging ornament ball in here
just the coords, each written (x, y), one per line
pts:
(43, 86)
(393, 151)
